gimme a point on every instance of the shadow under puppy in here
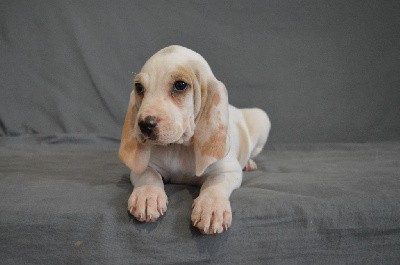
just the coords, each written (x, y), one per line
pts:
(180, 127)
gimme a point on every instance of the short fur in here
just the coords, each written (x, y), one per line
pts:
(200, 139)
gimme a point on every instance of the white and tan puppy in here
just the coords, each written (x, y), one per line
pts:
(179, 127)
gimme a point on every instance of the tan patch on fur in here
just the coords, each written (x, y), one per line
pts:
(185, 75)
(211, 133)
(215, 145)
(214, 101)
(133, 154)
(127, 142)
(203, 97)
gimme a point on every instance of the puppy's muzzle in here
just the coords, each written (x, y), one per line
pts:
(148, 127)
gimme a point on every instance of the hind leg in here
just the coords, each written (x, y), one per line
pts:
(250, 166)
(259, 126)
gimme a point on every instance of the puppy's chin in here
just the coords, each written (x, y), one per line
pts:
(173, 140)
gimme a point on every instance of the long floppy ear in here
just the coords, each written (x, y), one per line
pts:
(211, 140)
(135, 155)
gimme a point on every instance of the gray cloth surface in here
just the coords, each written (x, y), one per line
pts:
(63, 200)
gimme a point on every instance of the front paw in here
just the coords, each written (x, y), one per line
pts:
(211, 213)
(147, 203)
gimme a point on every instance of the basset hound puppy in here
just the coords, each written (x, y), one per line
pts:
(179, 128)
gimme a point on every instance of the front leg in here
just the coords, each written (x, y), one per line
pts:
(211, 209)
(148, 200)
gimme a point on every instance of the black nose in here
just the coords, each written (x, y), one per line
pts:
(148, 127)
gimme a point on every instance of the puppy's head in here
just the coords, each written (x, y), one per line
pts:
(176, 100)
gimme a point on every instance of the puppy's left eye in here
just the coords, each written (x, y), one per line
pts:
(180, 86)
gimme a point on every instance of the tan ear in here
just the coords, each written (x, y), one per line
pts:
(210, 138)
(135, 155)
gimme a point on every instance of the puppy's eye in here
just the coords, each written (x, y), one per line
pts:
(180, 86)
(139, 89)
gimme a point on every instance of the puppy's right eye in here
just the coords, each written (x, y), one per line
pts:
(139, 89)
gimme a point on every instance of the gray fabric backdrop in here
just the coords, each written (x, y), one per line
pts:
(323, 70)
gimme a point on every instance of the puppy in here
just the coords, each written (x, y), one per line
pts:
(180, 128)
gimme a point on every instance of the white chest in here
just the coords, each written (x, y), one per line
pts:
(175, 163)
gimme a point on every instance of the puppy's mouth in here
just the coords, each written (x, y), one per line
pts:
(144, 139)
(154, 140)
